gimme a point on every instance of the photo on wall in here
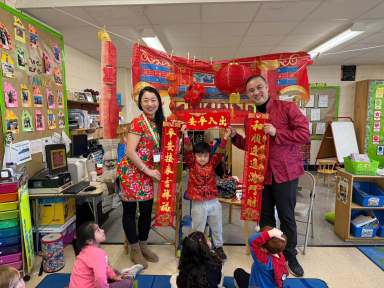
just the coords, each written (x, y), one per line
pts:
(33, 37)
(50, 99)
(19, 30)
(27, 121)
(5, 38)
(12, 122)
(25, 96)
(39, 121)
(21, 58)
(37, 97)
(7, 65)
(10, 95)
(51, 120)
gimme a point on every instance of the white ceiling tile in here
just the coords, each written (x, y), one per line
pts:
(232, 12)
(262, 40)
(167, 14)
(374, 39)
(184, 42)
(342, 9)
(250, 51)
(180, 30)
(59, 20)
(82, 38)
(376, 12)
(221, 41)
(118, 15)
(218, 53)
(224, 29)
(271, 28)
(285, 11)
(320, 27)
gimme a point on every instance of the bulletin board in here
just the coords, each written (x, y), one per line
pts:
(33, 99)
(322, 107)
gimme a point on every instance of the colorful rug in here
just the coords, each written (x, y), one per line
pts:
(375, 254)
(61, 280)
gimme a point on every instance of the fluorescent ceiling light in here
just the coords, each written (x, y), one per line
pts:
(154, 43)
(335, 41)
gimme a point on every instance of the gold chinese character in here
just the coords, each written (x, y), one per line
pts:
(168, 158)
(171, 133)
(256, 139)
(167, 183)
(222, 121)
(166, 194)
(192, 121)
(251, 202)
(253, 151)
(202, 120)
(253, 177)
(170, 146)
(254, 163)
(165, 207)
(168, 170)
(257, 126)
(212, 121)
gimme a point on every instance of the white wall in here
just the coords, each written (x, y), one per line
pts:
(83, 71)
(331, 76)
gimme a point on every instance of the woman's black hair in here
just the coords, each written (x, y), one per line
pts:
(255, 77)
(85, 233)
(159, 115)
(201, 147)
(196, 258)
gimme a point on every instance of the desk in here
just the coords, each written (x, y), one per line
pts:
(100, 188)
(236, 202)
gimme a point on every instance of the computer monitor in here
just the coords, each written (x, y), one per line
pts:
(79, 145)
(56, 156)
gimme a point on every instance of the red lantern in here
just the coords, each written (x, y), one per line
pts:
(231, 78)
(172, 91)
(194, 94)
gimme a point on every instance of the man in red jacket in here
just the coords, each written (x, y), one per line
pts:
(288, 129)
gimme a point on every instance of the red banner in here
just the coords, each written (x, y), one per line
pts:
(168, 169)
(255, 166)
(207, 120)
(286, 74)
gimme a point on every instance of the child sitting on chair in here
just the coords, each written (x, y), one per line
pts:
(269, 268)
(91, 268)
(202, 189)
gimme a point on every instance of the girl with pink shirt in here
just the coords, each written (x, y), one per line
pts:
(91, 268)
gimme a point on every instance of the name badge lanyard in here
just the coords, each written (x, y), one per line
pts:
(155, 137)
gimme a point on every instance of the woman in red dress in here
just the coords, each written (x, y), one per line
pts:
(137, 171)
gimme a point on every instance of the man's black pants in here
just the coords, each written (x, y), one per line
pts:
(283, 196)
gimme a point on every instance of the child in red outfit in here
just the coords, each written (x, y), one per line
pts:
(202, 189)
(269, 268)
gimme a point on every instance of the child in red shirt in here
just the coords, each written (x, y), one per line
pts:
(202, 189)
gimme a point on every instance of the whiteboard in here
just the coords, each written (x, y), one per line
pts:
(344, 137)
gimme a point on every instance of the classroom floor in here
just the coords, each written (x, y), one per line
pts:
(338, 266)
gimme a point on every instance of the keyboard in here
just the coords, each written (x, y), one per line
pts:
(74, 189)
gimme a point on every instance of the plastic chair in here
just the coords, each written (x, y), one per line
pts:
(326, 168)
(304, 203)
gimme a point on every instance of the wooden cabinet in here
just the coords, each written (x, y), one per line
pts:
(344, 204)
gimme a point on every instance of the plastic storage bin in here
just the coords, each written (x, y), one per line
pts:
(9, 223)
(367, 194)
(10, 258)
(9, 232)
(8, 197)
(361, 168)
(359, 231)
(380, 216)
(56, 211)
(67, 231)
(6, 206)
(8, 215)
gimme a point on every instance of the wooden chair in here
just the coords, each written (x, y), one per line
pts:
(326, 168)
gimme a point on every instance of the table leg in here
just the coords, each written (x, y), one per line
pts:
(94, 204)
(246, 236)
(230, 214)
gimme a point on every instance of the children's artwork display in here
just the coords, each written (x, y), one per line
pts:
(12, 122)
(10, 95)
(5, 37)
(39, 121)
(25, 96)
(7, 65)
(27, 121)
(21, 58)
(51, 120)
(19, 30)
(32, 79)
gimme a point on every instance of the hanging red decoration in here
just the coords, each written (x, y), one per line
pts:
(172, 106)
(172, 91)
(194, 94)
(231, 78)
(171, 77)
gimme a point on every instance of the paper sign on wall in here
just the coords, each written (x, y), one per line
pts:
(323, 101)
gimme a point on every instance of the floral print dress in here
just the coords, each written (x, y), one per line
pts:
(135, 184)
